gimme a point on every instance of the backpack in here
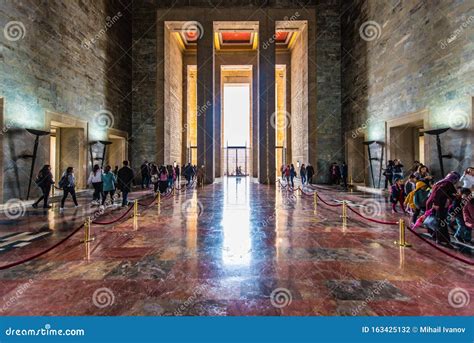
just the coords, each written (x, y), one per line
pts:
(63, 182)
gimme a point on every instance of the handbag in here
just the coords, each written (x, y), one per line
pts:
(431, 222)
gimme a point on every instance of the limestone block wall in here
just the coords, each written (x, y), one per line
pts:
(413, 57)
(173, 100)
(68, 57)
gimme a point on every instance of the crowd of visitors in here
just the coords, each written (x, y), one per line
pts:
(289, 173)
(441, 207)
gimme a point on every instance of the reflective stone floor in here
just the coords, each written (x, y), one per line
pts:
(238, 248)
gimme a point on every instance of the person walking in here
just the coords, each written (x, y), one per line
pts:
(303, 174)
(188, 173)
(44, 180)
(95, 179)
(335, 174)
(287, 174)
(68, 185)
(200, 176)
(177, 172)
(145, 171)
(442, 194)
(344, 172)
(125, 177)
(108, 185)
(397, 194)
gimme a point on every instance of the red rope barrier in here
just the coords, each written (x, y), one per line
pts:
(371, 219)
(436, 246)
(115, 220)
(41, 253)
(326, 203)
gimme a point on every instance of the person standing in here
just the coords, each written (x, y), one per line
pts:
(155, 177)
(467, 179)
(442, 194)
(188, 173)
(303, 174)
(108, 185)
(335, 174)
(177, 171)
(292, 175)
(44, 180)
(163, 183)
(68, 185)
(388, 173)
(344, 172)
(95, 179)
(397, 168)
(125, 180)
(145, 171)
(309, 173)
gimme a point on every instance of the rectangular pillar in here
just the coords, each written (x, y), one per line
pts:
(266, 128)
(205, 108)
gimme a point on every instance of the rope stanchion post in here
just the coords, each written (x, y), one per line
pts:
(344, 213)
(315, 202)
(135, 214)
(402, 241)
(87, 231)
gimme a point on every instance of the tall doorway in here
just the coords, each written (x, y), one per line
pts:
(236, 137)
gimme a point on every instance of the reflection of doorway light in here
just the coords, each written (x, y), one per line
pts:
(236, 114)
(236, 248)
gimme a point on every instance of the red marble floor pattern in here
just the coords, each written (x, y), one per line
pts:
(240, 248)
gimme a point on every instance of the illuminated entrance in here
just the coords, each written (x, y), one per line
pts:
(236, 119)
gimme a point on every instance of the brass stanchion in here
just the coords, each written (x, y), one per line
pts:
(402, 242)
(315, 201)
(135, 214)
(344, 213)
(87, 231)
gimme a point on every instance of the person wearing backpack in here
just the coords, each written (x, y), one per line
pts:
(108, 184)
(44, 180)
(95, 179)
(68, 185)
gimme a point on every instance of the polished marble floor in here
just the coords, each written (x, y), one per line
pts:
(236, 248)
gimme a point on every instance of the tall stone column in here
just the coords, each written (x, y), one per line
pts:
(205, 108)
(266, 129)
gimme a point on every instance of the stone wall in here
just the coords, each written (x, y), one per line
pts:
(68, 57)
(413, 57)
(173, 100)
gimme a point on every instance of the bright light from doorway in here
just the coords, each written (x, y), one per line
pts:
(236, 114)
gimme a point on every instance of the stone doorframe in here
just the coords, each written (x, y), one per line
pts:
(413, 117)
(68, 121)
